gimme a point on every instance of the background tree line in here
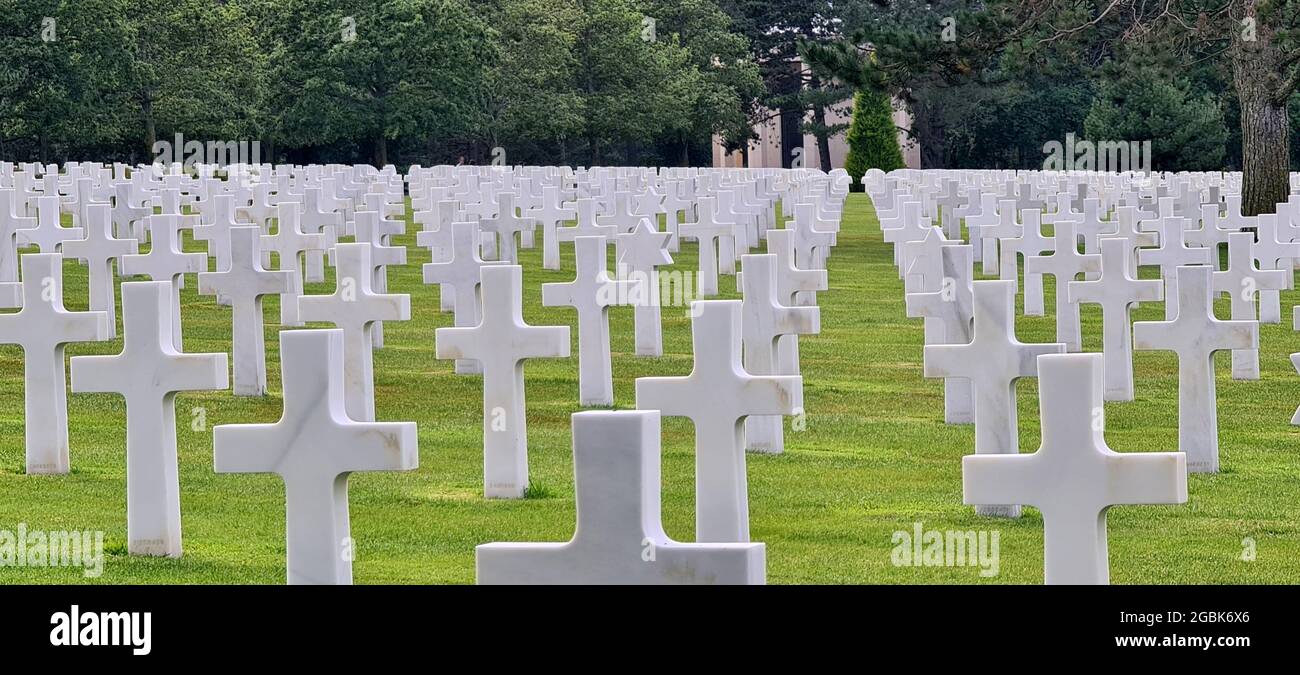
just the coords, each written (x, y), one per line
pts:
(1211, 83)
(603, 81)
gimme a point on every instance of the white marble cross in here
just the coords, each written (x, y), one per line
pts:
(706, 230)
(317, 215)
(49, 234)
(372, 228)
(1172, 254)
(619, 538)
(354, 306)
(621, 218)
(1211, 234)
(1127, 227)
(948, 309)
(592, 292)
(148, 374)
(1275, 251)
(1242, 283)
(245, 283)
(984, 232)
(550, 213)
(505, 226)
(11, 223)
(584, 224)
(1092, 227)
(99, 250)
(128, 217)
(1117, 290)
(1031, 242)
(314, 447)
(1074, 478)
(500, 343)
(165, 261)
(912, 226)
(639, 253)
(812, 244)
(1195, 334)
(765, 320)
(42, 328)
(993, 361)
(1004, 226)
(1064, 264)
(717, 396)
(217, 235)
(460, 274)
(289, 243)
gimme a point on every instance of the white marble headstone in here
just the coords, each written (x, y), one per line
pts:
(314, 447)
(1074, 478)
(619, 537)
(43, 328)
(500, 343)
(148, 373)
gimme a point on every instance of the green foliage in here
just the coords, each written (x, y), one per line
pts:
(1186, 130)
(872, 137)
(375, 70)
(359, 80)
(56, 61)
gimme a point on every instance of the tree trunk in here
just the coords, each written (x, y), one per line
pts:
(381, 150)
(1265, 155)
(1265, 130)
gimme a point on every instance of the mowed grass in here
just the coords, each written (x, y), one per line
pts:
(875, 457)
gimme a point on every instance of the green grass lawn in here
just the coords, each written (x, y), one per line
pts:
(875, 456)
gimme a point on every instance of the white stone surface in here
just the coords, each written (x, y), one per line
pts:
(43, 328)
(289, 243)
(948, 309)
(1172, 254)
(1195, 334)
(500, 343)
(550, 213)
(245, 283)
(354, 307)
(11, 223)
(1031, 242)
(100, 250)
(717, 395)
(1064, 264)
(706, 229)
(1242, 282)
(592, 292)
(165, 261)
(638, 254)
(1118, 291)
(148, 373)
(49, 234)
(314, 447)
(765, 320)
(461, 274)
(993, 361)
(1074, 478)
(619, 538)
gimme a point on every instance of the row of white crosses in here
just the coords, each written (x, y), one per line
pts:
(316, 489)
(974, 340)
(151, 368)
(498, 340)
(1242, 280)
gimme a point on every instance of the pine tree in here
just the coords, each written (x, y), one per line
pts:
(872, 138)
